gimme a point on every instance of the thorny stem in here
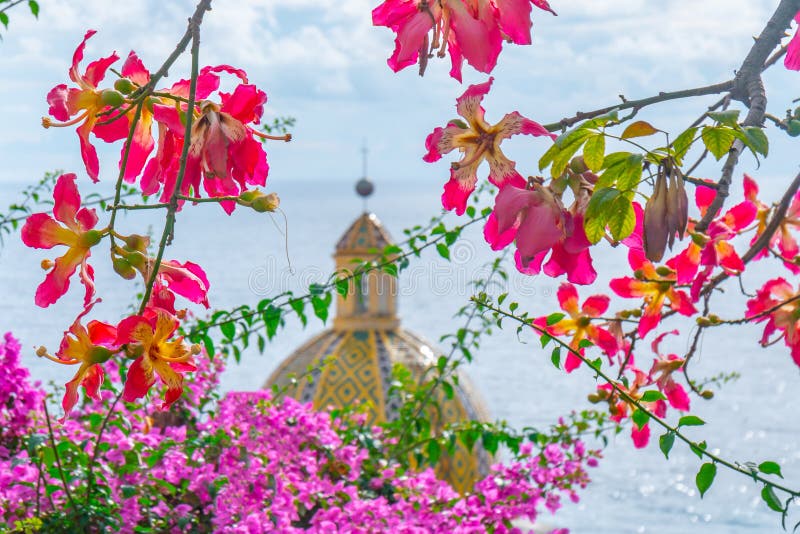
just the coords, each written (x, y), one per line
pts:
(169, 224)
(627, 398)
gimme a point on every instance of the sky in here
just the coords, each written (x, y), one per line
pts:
(321, 62)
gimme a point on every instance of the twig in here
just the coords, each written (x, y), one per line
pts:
(643, 102)
(625, 396)
(57, 455)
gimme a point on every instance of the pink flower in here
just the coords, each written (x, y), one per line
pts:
(42, 231)
(66, 103)
(535, 218)
(770, 305)
(223, 153)
(463, 28)
(792, 59)
(661, 372)
(187, 279)
(478, 141)
(579, 324)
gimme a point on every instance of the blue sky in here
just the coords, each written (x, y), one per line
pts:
(322, 62)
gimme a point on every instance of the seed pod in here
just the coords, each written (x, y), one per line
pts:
(656, 225)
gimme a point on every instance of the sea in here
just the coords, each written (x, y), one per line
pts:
(250, 256)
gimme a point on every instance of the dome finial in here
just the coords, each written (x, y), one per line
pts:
(364, 187)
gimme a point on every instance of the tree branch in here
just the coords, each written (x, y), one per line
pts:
(749, 88)
(641, 103)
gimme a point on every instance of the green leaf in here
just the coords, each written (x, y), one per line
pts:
(545, 339)
(321, 305)
(594, 152)
(490, 442)
(299, 305)
(128, 491)
(447, 387)
(622, 218)
(769, 497)
(770, 468)
(4, 19)
(699, 448)
(443, 250)
(705, 477)
(639, 129)
(683, 143)
(595, 229)
(228, 330)
(652, 396)
(640, 418)
(631, 174)
(718, 140)
(434, 451)
(555, 357)
(585, 344)
(729, 117)
(756, 140)
(690, 420)
(34, 7)
(665, 443)
(553, 318)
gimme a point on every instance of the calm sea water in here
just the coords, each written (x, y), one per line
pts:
(754, 418)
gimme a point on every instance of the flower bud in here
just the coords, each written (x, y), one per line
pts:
(123, 268)
(137, 242)
(594, 398)
(707, 394)
(112, 98)
(663, 270)
(247, 197)
(703, 321)
(91, 237)
(793, 127)
(99, 354)
(124, 86)
(136, 260)
(578, 165)
(268, 202)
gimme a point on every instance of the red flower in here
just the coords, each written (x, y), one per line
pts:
(42, 231)
(86, 101)
(89, 346)
(148, 336)
(579, 324)
(654, 286)
(713, 248)
(478, 141)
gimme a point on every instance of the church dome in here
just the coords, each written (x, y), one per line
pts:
(351, 363)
